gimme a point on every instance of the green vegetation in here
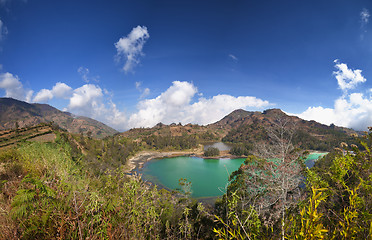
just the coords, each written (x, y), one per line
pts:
(75, 188)
(49, 192)
(241, 149)
(314, 138)
(211, 152)
(171, 142)
(337, 199)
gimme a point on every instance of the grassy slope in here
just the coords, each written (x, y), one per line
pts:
(48, 191)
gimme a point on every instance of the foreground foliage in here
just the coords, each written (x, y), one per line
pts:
(54, 191)
(335, 204)
(49, 194)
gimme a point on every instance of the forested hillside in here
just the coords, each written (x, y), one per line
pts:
(245, 130)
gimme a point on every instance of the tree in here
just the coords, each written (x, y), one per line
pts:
(270, 180)
(211, 151)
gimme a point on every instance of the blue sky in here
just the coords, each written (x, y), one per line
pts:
(136, 63)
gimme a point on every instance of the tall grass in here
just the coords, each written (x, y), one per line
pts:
(52, 195)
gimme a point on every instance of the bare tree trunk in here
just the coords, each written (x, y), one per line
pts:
(284, 207)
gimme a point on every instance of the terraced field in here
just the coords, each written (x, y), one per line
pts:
(40, 133)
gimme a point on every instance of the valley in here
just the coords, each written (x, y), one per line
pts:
(162, 173)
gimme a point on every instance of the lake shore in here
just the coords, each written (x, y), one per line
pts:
(140, 158)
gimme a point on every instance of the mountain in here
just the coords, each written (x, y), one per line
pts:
(248, 128)
(25, 114)
(251, 127)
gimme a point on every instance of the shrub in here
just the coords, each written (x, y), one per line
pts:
(212, 151)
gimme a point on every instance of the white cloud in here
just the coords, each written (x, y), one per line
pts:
(353, 110)
(144, 92)
(84, 73)
(131, 47)
(90, 100)
(233, 57)
(85, 99)
(364, 16)
(347, 78)
(364, 19)
(60, 90)
(3, 30)
(138, 85)
(14, 88)
(174, 105)
(43, 96)
(210, 110)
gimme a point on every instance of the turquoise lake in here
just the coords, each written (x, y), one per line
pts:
(208, 176)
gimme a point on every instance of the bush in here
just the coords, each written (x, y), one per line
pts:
(212, 151)
(240, 150)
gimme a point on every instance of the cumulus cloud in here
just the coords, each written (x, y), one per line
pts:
(14, 88)
(131, 47)
(347, 78)
(43, 96)
(175, 105)
(85, 98)
(352, 110)
(90, 100)
(210, 110)
(59, 90)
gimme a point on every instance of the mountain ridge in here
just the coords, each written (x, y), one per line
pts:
(239, 126)
(247, 128)
(24, 114)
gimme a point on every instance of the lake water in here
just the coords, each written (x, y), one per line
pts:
(208, 176)
(310, 160)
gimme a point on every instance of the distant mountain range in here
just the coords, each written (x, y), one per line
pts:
(240, 126)
(247, 128)
(25, 114)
